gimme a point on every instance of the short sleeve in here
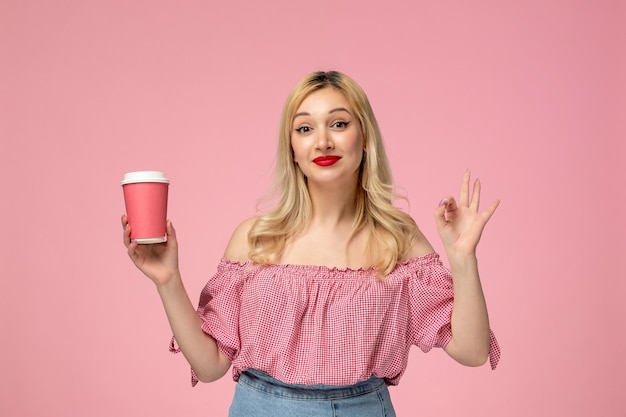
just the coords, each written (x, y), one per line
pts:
(431, 299)
(219, 307)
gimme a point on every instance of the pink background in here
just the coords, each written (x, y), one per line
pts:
(529, 94)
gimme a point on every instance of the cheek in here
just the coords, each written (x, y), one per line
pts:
(359, 143)
(294, 153)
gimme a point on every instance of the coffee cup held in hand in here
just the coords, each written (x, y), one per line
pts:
(145, 196)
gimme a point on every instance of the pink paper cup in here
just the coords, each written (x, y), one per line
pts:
(145, 196)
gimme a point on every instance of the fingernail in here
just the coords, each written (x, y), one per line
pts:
(443, 202)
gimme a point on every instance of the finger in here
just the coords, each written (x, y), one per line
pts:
(446, 205)
(464, 196)
(124, 220)
(475, 196)
(132, 250)
(171, 232)
(491, 209)
(441, 207)
(170, 238)
(450, 204)
(126, 235)
(440, 213)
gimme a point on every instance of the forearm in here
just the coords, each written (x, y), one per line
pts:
(470, 320)
(199, 349)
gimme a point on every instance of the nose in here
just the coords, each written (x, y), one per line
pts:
(324, 139)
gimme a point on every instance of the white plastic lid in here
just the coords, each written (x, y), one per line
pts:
(144, 176)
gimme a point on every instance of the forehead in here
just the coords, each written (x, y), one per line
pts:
(323, 100)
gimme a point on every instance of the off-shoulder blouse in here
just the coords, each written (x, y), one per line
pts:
(305, 324)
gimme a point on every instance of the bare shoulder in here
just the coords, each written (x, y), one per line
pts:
(238, 248)
(421, 246)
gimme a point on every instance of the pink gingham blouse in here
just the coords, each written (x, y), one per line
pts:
(306, 324)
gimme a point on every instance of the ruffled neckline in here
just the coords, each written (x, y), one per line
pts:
(419, 260)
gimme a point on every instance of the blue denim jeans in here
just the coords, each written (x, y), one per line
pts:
(259, 395)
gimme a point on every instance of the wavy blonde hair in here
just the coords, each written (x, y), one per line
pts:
(391, 232)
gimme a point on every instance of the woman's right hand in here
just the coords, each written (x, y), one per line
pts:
(158, 261)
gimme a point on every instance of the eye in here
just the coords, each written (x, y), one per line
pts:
(303, 129)
(340, 124)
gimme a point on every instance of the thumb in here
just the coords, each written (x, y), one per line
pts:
(440, 212)
(171, 232)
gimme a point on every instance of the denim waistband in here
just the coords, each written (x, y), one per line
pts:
(263, 382)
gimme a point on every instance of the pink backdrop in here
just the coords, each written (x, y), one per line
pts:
(530, 95)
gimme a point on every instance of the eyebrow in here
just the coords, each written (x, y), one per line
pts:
(335, 110)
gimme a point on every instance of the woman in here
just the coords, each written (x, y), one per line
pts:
(316, 303)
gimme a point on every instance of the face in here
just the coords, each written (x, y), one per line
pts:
(326, 138)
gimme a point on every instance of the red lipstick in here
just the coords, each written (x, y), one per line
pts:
(326, 160)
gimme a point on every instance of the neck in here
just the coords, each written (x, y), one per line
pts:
(332, 207)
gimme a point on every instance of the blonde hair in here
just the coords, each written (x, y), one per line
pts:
(391, 232)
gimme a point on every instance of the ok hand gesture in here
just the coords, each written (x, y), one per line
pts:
(460, 225)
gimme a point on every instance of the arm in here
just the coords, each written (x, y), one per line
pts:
(160, 263)
(470, 322)
(460, 227)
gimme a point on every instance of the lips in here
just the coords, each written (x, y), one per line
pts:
(326, 160)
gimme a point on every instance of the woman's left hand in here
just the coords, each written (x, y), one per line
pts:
(460, 225)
